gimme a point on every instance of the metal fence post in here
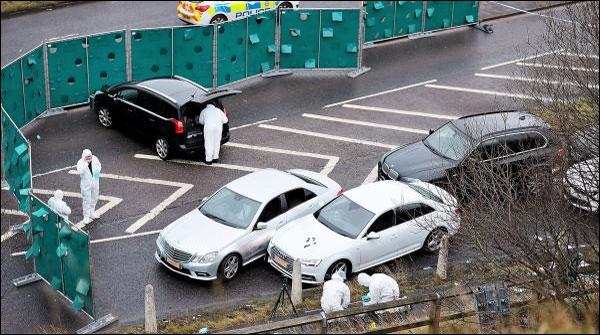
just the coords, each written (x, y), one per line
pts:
(23, 92)
(323, 323)
(128, 65)
(46, 75)
(319, 40)
(215, 55)
(360, 69)
(172, 52)
(87, 64)
(423, 15)
(434, 315)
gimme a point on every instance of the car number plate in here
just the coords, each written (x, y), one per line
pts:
(173, 263)
(280, 261)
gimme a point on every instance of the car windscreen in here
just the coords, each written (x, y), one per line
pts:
(230, 208)
(448, 142)
(344, 217)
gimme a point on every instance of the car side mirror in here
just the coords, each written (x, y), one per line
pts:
(373, 236)
(261, 226)
(431, 131)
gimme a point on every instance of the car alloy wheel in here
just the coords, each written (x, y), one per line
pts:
(337, 266)
(105, 118)
(162, 148)
(218, 19)
(286, 5)
(231, 265)
(434, 239)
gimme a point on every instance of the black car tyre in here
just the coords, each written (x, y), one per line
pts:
(230, 266)
(220, 18)
(335, 267)
(162, 148)
(434, 240)
(285, 5)
(105, 117)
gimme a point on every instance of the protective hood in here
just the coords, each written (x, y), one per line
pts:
(364, 279)
(85, 153)
(337, 276)
(58, 194)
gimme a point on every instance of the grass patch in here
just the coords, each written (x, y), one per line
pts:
(10, 7)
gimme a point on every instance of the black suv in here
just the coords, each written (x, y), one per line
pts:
(510, 138)
(161, 109)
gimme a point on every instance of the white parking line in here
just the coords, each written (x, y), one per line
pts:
(472, 90)
(328, 136)
(183, 188)
(381, 93)
(557, 67)
(372, 176)
(54, 171)
(551, 82)
(570, 54)
(518, 60)
(13, 212)
(398, 111)
(331, 160)
(11, 232)
(366, 124)
(253, 124)
(214, 165)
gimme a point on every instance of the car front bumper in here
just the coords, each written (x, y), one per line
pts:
(204, 272)
(310, 274)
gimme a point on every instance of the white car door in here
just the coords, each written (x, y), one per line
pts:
(256, 241)
(414, 221)
(375, 251)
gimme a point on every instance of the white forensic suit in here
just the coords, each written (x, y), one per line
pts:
(213, 119)
(336, 294)
(382, 288)
(90, 184)
(57, 204)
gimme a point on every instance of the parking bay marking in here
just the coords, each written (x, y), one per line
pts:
(518, 60)
(331, 160)
(328, 136)
(253, 124)
(188, 162)
(552, 82)
(366, 124)
(556, 67)
(11, 232)
(372, 176)
(381, 93)
(398, 111)
(183, 188)
(476, 91)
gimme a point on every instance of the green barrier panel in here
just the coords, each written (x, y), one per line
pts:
(12, 92)
(75, 253)
(261, 42)
(45, 243)
(193, 56)
(231, 51)
(379, 20)
(438, 15)
(34, 83)
(67, 72)
(151, 53)
(409, 16)
(339, 38)
(17, 156)
(299, 39)
(465, 12)
(107, 60)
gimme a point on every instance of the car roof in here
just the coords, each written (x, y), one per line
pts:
(482, 125)
(381, 196)
(265, 185)
(177, 90)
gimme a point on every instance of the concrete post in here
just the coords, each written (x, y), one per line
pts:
(297, 283)
(442, 265)
(150, 311)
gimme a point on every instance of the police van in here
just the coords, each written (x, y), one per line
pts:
(215, 12)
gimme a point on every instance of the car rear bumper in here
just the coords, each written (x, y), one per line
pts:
(199, 145)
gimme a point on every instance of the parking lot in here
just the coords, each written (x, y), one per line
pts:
(323, 122)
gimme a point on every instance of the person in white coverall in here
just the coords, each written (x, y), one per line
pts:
(382, 288)
(336, 294)
(57, 204)
(88, 168)
(213, 119)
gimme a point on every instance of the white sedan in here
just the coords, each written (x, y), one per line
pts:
(581, 182)
(364, 227)
(233, 227)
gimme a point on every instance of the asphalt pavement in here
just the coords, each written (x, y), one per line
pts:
(306, 120)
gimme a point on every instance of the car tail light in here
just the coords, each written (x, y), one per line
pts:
(458, 211)
(226, 112)
(560, 153)
(340, 191)
(202, 8)
(178, 126)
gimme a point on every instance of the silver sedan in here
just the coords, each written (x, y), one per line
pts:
(234, 226)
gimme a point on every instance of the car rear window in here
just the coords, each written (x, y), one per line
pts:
(426, 193)
(307, 180)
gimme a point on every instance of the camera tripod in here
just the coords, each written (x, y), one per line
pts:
(281, 299)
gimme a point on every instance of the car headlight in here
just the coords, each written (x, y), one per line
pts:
(310, 262)
(205, 259)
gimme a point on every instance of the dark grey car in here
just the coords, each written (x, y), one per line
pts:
(510, 138)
